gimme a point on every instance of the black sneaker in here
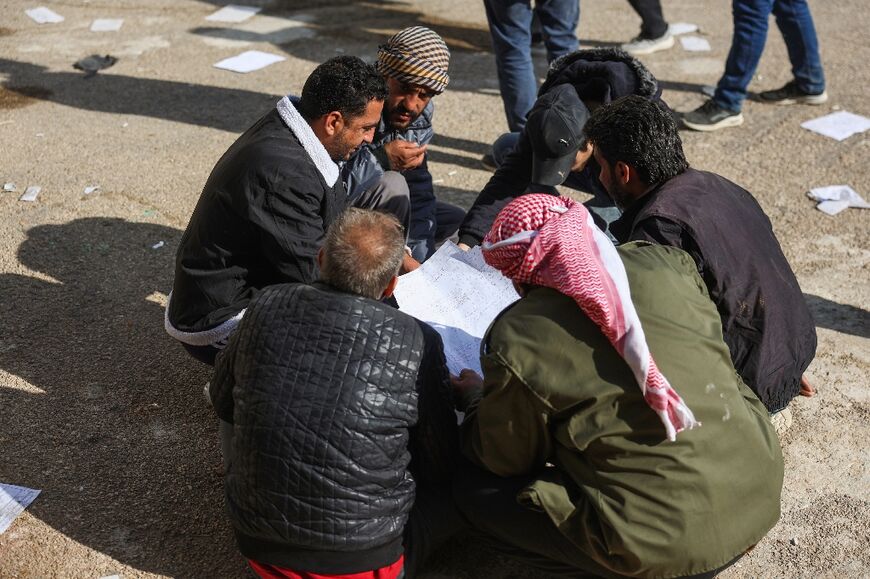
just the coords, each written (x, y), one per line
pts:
(711, 117)
(791, 94)
(488, 163)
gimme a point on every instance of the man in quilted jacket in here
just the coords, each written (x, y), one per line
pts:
(338, 430)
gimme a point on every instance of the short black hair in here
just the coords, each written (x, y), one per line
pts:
(345, 84)
(640, 133)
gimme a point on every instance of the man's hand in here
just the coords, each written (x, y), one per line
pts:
(404, 155)
(807, 388)
(467, 380)
(583, 156)
(409, 264)
(463, 246)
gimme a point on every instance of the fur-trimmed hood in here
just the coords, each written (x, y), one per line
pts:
(602, 74)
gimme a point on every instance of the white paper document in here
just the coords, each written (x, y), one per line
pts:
(13, 501)
(30, 193)
(678, 28)
(9, 187)
(459, 295)
(249, 61)
(840, 125)
(107, 24)
(43, 15)
(836, 198)
(233, 13)
(695, 44)
(91, 189)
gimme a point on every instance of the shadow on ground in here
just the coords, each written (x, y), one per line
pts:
(841, 318)
(119, 439)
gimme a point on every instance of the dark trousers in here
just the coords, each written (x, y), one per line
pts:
(653, 22)
(389, 195)
(489, 504)
(427, 233)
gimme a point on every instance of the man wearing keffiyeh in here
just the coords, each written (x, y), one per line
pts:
(615, 436)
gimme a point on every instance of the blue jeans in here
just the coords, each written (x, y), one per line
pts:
(510, 25)
(750, 33)
(601, 206)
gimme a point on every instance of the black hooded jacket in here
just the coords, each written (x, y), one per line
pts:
(599, 75)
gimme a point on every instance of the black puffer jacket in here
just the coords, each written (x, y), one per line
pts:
(765, 319)
(598, 74)
(323, 388)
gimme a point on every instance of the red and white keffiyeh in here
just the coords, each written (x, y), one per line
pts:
(552, 241)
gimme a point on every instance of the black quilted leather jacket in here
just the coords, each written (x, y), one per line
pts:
(322, 389)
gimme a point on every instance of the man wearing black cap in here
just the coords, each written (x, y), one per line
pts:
(551, 149)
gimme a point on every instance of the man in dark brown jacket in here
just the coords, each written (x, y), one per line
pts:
(765, 319)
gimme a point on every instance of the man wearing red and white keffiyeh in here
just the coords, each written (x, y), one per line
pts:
(553, 242)
(577, 475)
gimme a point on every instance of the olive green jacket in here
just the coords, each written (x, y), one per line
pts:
(556, 391)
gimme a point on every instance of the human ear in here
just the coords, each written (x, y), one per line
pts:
(623, 172)
(333, 122)
(391, 287)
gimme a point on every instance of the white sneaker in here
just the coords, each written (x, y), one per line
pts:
(640, 45)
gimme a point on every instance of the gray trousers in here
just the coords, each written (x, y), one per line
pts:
(389, 195)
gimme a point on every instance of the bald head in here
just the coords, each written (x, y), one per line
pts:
(362, 252)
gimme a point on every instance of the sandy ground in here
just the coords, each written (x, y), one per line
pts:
(101, 410)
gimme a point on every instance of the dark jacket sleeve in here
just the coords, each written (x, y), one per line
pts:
(510, 181)
(291, 227)
(435, 438)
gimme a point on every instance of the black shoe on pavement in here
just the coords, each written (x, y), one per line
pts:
(711, 117)
(791, 94)
(488, 163)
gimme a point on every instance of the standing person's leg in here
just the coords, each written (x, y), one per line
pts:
(510, 24)
(559, 19)
(747, 45)
(795, 22)
(653, 24)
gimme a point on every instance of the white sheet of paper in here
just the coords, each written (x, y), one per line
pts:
(233, 13)
(249, 61)
(90, 189)
(9, 187)
(13, 501)
(678, 28)
(107, 24)
(695, 44)
(832, 207)
(839, 125)
(459, 295)
(30, 193)
(836, 198)
(43, 15)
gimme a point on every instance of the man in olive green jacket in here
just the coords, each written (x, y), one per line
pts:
(579, 474)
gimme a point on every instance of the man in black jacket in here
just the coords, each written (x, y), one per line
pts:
(550, 151)
(266, 205)
(339, 409)
(765, 319)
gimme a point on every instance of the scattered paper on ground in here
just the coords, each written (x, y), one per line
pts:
(459, 295)
(31, 193)
(90, 189)
(249, 61)
(682, 28)
(233, 13)
(836, 198)
(9, 187)
(840, 125)
(43, 15)
(107, 24)
(695, 44)
(158, 245)
(13, 501)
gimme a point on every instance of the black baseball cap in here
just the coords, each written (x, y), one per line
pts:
(555, 129)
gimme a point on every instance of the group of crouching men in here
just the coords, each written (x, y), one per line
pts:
(624, 422)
